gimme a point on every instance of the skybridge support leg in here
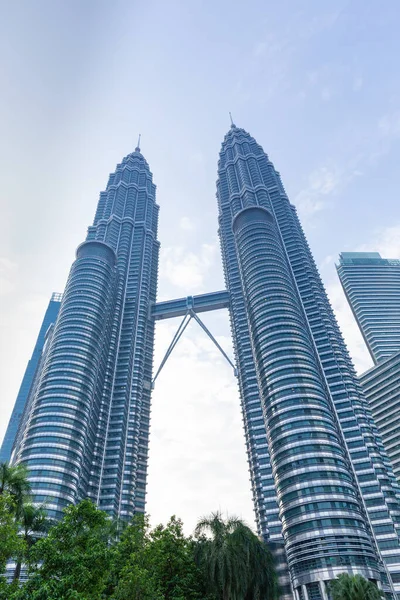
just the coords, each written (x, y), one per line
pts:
(212, 338)
(184, 323)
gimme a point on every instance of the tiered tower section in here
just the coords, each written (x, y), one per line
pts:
(87, 431)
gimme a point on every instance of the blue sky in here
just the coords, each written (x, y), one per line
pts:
(316, 83)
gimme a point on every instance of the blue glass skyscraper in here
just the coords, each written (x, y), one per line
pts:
(28, 379)
(372, 287)
(86, 434)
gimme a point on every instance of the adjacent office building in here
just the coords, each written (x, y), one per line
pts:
(28, 379)
(372, 286)
(324, 492)
(381, 386)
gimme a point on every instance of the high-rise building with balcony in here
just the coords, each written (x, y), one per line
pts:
(28, 379)
(324, 492)
(372, 287)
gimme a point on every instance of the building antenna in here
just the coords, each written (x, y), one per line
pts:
(232, 123)
(137, 149)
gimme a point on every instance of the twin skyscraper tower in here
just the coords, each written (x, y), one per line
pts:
(324, 492)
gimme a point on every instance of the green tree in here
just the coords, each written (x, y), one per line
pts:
(136, 583)
(236, 563)
(14, 480)
(11, 543)
(33, 523)
(72, 562)
(170, 556)
(129, 577)
(156, 564)
(354, 587)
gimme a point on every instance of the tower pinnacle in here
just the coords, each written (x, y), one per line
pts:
(137, 149)
(232, 123)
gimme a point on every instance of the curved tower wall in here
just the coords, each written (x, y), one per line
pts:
(60, 435)
(247, 178)
(16, 422)
(318, 530)
(91, 406)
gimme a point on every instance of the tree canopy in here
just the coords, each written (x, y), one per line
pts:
(236, 563)
(354, 587)
(87, 556)
(11, 544)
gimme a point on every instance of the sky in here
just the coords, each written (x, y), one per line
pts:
(316, 83)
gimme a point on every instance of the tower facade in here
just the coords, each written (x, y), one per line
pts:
(86, 431)
(323, 487)
(28, 379)
(372, 287)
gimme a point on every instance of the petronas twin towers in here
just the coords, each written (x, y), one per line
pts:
(324, 492)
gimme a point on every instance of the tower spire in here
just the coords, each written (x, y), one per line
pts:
(137, 149)
(232, 123)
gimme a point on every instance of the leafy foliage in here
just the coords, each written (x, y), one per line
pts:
(236, 563)
(354, 587)
(87, 556)
(170, 556)
(156, 564)
(129, 577)
(13, 480)
(33, 523)
(11, 543)
(73, 561)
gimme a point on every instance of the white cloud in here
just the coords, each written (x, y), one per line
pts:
(321, 184)
(185, 269)
(272, 46)
(328, 260)
(389, 125)
(385, 240)
(259, 49)
(186, 224)
(319, 23)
